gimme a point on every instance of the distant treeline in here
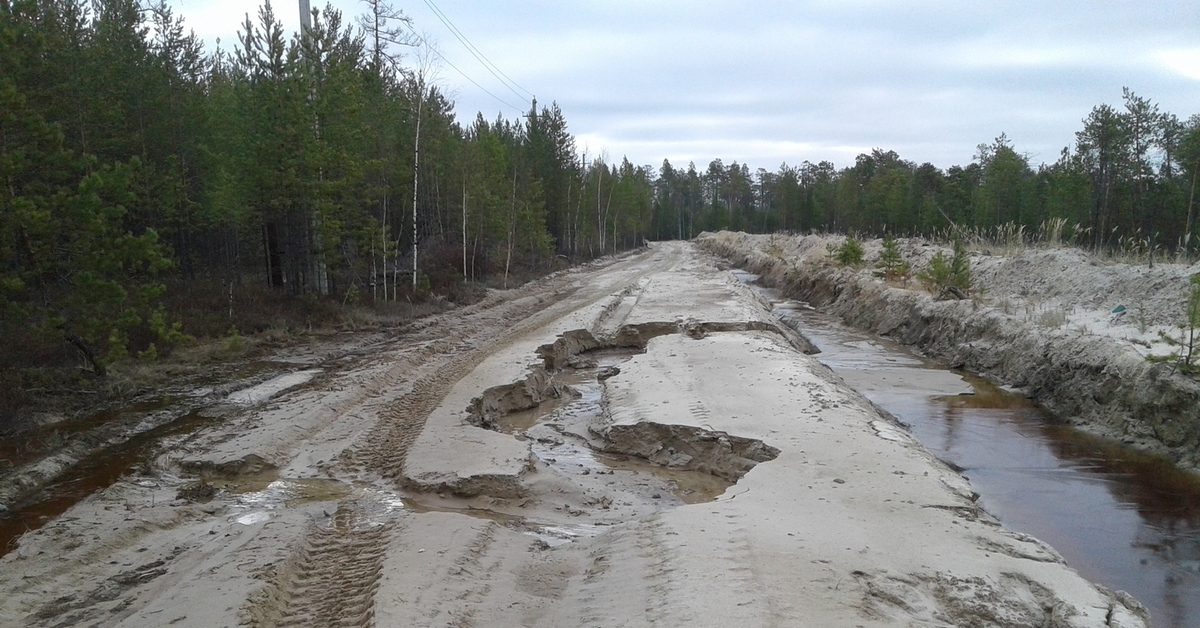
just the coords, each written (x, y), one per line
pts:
(1131, 177)
(138, 169)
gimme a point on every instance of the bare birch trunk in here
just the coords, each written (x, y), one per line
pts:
(512, 227)
(599, 215)
(464, 230)
(416, 166)
(1187, 228)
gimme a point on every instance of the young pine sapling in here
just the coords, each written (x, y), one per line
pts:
(949, 277)
(891, 264)
(1185, 345)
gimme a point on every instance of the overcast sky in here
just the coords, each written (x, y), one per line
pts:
(769, 81)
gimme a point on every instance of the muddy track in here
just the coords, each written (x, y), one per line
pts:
(330, 580)
(329, 532)
(450, 346)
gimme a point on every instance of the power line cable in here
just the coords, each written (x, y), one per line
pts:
(464, 75)
(478, 54)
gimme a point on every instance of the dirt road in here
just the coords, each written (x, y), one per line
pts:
(630, 443)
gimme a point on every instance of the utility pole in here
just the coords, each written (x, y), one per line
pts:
(305, 17)
(318, 269)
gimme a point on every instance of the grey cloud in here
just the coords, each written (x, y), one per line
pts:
(775, 81)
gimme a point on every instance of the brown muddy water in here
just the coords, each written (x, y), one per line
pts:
(1121, 518)
(98, 470)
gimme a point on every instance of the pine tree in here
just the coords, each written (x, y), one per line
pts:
(891, 262)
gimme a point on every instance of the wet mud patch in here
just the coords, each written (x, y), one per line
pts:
(560, 408)
(248, 465)
(690, 448)
(95, 468)
(1014, 600)
(549, 534)
(104, 600)
(48, 468)
(261, 392)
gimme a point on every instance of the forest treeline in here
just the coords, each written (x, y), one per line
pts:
(1130, 178)
(152, 189)
(141, 172)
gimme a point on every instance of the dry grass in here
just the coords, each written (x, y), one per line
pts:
(1011, 238)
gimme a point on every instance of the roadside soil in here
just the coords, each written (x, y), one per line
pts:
(1071, 330)
(630, 443)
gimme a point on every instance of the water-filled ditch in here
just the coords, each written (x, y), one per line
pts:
(1121, 518)
(101, 448)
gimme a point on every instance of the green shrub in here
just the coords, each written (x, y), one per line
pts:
(849, 253)
(149, 355)
(118, 346)
(1185, 345)
(891, 263)
(170, 334)
(949, 277)
(234, 340)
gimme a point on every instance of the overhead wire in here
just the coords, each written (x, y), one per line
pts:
(478, 54)
(464, 75)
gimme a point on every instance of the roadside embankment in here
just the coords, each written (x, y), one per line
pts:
(1040, 320)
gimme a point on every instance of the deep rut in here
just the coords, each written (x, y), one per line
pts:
(331, 579)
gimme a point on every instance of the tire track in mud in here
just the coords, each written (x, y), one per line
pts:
(658, 577)
(475, 573)
(333, 577)
(330, 580)
(626, 580)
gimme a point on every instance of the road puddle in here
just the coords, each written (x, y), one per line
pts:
(261, 392)
(116, 443)
(284, 492)
(1121, 518)
(560, 431)
(98, 470)
(578, 388)
(256, 499)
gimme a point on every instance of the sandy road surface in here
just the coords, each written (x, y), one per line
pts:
(623, 397)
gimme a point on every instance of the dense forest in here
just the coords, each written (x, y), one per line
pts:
(147, 183)
(154, 190)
